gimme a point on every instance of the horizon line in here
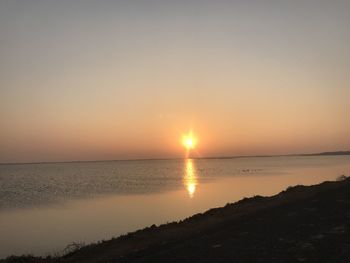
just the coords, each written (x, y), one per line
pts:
(180, 158)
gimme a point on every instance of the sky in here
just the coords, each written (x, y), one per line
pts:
(97, 80)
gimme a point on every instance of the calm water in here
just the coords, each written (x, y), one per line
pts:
(44, 207)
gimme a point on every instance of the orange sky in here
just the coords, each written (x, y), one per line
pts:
(103, 80)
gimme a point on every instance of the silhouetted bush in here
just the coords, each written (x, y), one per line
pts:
(341, 177)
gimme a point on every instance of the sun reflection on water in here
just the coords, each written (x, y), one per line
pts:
(190, 178)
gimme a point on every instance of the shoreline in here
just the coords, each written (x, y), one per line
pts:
(299, 224)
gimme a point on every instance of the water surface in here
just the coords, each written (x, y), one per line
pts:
(44, 207)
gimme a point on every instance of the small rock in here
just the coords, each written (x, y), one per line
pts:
(290, 214)
(216, 246)
(319, 236)
(337, 230)
(307, 246)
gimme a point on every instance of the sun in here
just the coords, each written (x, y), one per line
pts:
(189, 141)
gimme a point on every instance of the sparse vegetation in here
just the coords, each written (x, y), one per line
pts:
(73, 247)
(342, 177)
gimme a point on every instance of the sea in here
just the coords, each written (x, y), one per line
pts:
(46, 207)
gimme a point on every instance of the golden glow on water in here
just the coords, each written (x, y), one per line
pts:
(24, 230)
(190, 177)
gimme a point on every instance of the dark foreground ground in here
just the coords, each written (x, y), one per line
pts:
(301, 224)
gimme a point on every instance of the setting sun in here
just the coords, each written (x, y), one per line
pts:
(118, 117)
(189, 141)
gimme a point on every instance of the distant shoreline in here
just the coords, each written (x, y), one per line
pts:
(335, 153)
